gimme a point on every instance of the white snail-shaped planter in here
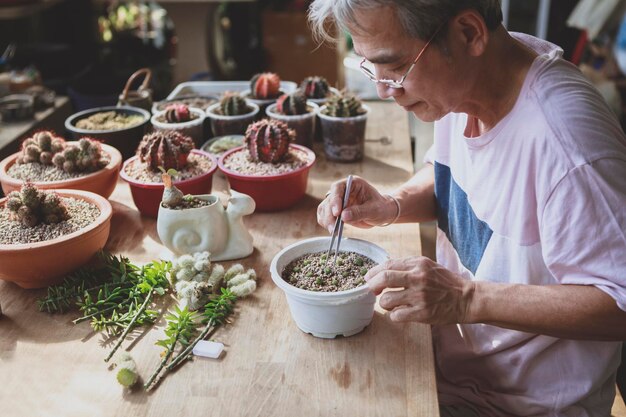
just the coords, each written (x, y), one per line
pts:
(208, 228)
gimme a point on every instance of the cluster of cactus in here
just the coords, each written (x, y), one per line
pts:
(265, 85)
(343, 105)
(268, 140)
(315, 87)
(177, 113)
(31, 206)
(292, 104)
(168, 149)
(233, 104)
(41, 148)
(85, 157)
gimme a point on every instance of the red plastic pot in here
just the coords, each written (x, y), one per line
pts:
(147, 195)
(271, 192)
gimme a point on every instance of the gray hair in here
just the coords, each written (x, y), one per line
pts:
(419, 18)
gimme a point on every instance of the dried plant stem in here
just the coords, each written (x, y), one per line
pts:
(185, 353)
(130, 325)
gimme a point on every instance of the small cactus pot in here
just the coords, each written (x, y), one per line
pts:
(230, 125)
(303, 124)
(193, 128)
(262, 103)
(320, 102)
(327, 314)
(101, 182)
(344, 137)
(147, 195)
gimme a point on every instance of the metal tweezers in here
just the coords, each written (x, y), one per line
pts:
(338, 229)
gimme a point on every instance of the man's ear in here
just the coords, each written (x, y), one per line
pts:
(469, 28)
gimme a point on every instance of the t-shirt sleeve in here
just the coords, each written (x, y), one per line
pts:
(583, 228)
(429, 157)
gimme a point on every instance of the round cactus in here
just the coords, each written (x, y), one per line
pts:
(268, 140)
(233, 104)
(315, 87)
(40, 148)
(177, 113)
(265, 86)
(31, 206)
(86, 156)
(292, 104)
(343, 105)
(167, 149)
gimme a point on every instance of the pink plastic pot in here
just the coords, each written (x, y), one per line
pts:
(271, 192)
(147, 195)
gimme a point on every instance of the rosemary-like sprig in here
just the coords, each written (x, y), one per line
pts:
(180, 328)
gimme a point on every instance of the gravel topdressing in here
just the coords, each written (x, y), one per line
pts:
(309, 273)
(188, 204)
(241, 163)
(37, 172)
(196, 166)
(109, 120)
(81, 213)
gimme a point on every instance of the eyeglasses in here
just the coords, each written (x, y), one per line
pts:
(392, 83)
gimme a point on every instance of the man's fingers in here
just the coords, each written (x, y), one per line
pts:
(392, 299)
(387, 279)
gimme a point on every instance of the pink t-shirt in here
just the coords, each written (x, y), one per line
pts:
(540, 199)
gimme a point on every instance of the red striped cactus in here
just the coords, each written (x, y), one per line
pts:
(268, 140)
(177, 113)
(265, 85)
(165, 148)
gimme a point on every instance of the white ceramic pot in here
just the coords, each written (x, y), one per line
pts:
(193, 128)
(230, 125)
(328, 314)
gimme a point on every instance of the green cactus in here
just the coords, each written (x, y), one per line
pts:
(86, 156)
(40, 148)
(31, 206)
(292, 104)
(343, 105)
(233, 104)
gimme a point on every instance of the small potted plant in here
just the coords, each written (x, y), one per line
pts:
(269, 168)
(232, 115)
(264, 90)
(298, 113)
(343, 119)
(317, 89)
(187, 120)
(328, 298)
(199, 223)
(46, 234)
(165, 150)
(50, 162)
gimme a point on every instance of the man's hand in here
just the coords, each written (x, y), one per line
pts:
(428, 293)
(366, 206)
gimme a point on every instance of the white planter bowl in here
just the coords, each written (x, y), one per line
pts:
(328, 314)
(193, 128)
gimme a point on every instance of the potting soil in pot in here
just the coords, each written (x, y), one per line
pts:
(187, 203)
(241, 163)
(196, 166)
(81, 214)
(310, 272)
(109, 120)
(36, 172)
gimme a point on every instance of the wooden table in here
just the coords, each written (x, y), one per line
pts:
(50, 367)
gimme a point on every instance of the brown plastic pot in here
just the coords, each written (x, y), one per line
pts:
(40, 264)
(101, 182)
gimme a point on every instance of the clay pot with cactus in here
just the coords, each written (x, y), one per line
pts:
(231, 115)
(184, 119)
(343, 120)
(160, 151)
(269, 167)
(299, 115)
(39, 227)
(49, 162)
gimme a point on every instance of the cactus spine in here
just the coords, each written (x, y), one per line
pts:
(86, 156)
(168, 149)
(292, 104)
(344, 105)
(265, 85)
(268, 140)
(31, 206)
(232, 104)
(315, 87)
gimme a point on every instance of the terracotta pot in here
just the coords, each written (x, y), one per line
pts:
(147, 195)
(193, 128)
(327, 314)
(125, 140)
(344, 137)
(101, 182)
(271, 192)
(40, 264)
(230, 125)
(303, 124)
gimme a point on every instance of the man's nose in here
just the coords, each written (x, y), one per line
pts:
(384, 91)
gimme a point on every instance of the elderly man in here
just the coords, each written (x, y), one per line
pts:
(527, 179)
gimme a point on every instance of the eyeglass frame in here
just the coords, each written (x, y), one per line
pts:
(392, 83)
